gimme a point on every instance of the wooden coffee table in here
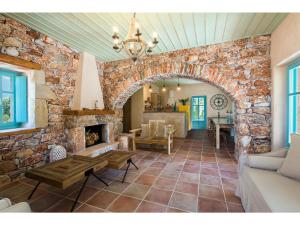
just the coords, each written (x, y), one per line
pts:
(66, 172)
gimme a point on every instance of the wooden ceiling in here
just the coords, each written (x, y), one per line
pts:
(92, 32)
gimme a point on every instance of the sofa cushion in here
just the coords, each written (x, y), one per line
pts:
(279, 152)
(19, 207)
(270, 191)
(4, 203)
(291, 165)
(264, 162)
(152, 128)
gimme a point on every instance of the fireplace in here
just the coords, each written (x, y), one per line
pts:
(77, 128)
(95, 135)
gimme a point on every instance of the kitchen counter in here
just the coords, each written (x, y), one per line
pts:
(178, 119)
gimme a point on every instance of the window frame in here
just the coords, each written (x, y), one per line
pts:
(13, 124)
(292, 91)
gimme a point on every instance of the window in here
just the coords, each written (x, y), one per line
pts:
(13, 99)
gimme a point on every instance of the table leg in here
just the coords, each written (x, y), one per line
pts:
(129, 161)
(80, 191)
(99, 179)
(36, 186)
(217, 136)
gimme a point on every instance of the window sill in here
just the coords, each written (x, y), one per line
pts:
(16, 131)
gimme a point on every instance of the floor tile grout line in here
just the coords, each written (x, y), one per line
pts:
(176, 183)
(225, 199)
(148, 190)
(121, 194)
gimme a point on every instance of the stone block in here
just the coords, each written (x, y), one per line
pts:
(76, 139)
(41, 113)
(245, 141)
(243, 129)
(39, 77)
(24, 154)
(5, 29)
(44, 92)
(12, 51)
(12, 42)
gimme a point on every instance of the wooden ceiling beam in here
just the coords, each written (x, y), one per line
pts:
(19, 62)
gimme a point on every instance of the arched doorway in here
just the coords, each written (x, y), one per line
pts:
(198, 114)
(241, 69)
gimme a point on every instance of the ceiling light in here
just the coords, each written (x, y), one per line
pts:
(150, 88)
(134, 44)
(178, 86)
(164, 87)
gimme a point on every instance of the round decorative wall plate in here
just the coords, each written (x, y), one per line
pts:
(218, 101)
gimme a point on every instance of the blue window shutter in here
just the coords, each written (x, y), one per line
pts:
(21, 99)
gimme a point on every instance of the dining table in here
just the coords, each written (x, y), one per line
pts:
(221, 123)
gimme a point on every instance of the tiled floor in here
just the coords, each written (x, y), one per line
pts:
(194, 178)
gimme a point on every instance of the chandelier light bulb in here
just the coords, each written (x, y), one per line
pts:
(131, 46)
(116, 41)
(164, 89)
(178, 87)
(137, 25)
(150, 88)
(154, 35)
(150, 44)
(115, 30)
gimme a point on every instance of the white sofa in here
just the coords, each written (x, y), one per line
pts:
(6, 206)
(262, 189)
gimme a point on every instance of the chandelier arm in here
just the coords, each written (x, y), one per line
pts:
(120, 48)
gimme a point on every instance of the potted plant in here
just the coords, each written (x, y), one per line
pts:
(183, 101)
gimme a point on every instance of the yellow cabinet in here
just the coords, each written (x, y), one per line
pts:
(186, 108)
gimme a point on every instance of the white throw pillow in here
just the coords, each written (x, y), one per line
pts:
(161, 128)
(264, 162)
(291, 165)
(145, 130)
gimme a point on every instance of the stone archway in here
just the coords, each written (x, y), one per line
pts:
(240, 68)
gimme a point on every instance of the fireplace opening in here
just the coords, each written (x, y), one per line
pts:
(94, 135)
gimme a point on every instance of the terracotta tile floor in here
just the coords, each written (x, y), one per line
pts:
(194, 178)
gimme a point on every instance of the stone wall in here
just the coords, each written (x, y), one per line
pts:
(240, 68)
(59, 65)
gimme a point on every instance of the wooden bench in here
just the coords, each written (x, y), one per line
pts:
(154, 139)
(117, 160)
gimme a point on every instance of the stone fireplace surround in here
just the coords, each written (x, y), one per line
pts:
(75, 132)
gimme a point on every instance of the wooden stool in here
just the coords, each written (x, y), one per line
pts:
(118, 159)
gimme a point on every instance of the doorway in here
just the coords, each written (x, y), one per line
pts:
(198, 112)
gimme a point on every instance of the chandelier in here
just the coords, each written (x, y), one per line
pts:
(134, 45)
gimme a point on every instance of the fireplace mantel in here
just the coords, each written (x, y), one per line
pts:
(88, 112)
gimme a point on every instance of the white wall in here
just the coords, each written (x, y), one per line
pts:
(146, 93)
(137, 109)
(201, 89)
(285, 48)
